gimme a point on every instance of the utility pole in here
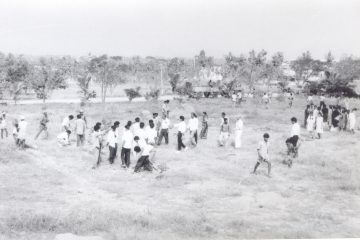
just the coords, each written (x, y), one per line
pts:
(161, 80)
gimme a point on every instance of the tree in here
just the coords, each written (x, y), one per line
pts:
(48, 75)
(303, 66)
(174, 69)
(81, 73)
(203, 61)
(17, 70)
(108, 71)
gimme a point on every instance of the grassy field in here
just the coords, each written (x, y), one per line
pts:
(204, 193)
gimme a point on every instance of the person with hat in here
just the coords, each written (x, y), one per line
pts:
(181, 126)
(263, 153)
(22, 132)
(43, 126)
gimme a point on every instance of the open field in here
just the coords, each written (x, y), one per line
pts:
(204, 193)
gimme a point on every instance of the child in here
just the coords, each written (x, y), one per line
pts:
(224, 132)
(263, 153)
(291, 99)
(292, 144)
(43, 122)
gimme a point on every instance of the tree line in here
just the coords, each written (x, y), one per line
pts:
(42, 75)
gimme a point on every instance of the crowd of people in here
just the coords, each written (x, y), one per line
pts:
(138, 140)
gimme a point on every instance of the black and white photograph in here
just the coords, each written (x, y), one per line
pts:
(179, 119)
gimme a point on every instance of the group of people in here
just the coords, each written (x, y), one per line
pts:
(140, 139)
(334, 117)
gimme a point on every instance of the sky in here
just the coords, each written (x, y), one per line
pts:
(180, 28)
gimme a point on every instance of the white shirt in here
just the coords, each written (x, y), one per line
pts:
(165, 123)
(146, 149)
(239, 125)
(309, 98)
(140, 133)
(3, 123)
(295, 129)
(193, 124)
(127, 139)
(150, 134)
(63, 138)
(111, 138)
(66, 122)
(181, 126)
(80, 126)
(263, 148)
(22, 129)
(135, 127)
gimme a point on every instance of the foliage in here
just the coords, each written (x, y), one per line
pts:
(49, 75)
(174, 69)
(108, 71)
(153, 94)
(132, 93)
(203, 61)
(186, 89)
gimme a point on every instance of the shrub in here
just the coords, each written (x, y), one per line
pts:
(153, 94)
(132, 93)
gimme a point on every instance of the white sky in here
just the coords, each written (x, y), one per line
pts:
(170, 28)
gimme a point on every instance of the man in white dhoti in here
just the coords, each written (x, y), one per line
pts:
(238, 132)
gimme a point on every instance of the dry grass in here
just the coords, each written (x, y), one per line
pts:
(205, 193)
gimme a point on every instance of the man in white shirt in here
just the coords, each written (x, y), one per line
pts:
(181, 126)
(66, 122)
(295, 128)
(136, 125)
(193, 126)
(151, 133)
(263, 153)
(157, 123)
(127, 141)
(164, 130)
(146, 153)
(111, 141)
(141, 132)
(22, 132)
(80, 127)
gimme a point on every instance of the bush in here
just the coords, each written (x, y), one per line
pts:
(132, 93)
(153, 94)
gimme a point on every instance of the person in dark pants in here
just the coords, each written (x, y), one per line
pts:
(111, 139)
(164, 130)
(127, 140)
(181, 126)
(146, 153)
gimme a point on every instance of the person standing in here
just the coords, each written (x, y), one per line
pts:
(193, 126)
(157, 123)
(66, 122)
(319, 125)
(136, 125)
(165, 108)
(140, 132)
(291, 99)
(43, 126)
(3, 125)
(127, 141)
(181, 126)
(295, 128)
(80, 127)
(224, 132)
(310, 124)
(263, 153)
(22, 132)
(111, 141)
(16, 134)
(204, 127)
(352, 120)
(82, 114)
(238, 132)
(151, 133)
(164, 130)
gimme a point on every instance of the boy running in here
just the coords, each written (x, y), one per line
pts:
(263, 153)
